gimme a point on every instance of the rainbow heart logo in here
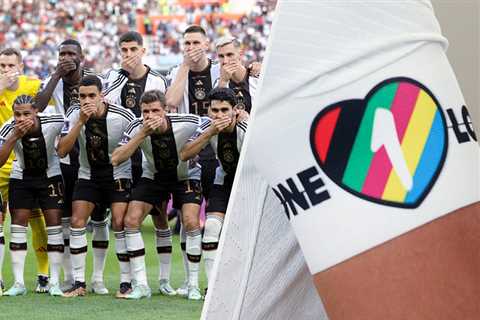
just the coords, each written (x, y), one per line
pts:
(388, 148)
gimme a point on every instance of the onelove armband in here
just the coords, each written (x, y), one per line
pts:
(370, 148)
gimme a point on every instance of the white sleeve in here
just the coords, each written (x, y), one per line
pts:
(71, 119)
(370, 151)
(132, 129)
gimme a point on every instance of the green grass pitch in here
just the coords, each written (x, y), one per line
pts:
(42, 306)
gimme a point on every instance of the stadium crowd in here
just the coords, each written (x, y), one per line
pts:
(37, 27)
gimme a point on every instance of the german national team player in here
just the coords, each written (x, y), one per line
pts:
(98, 126)
(35, 180)
(161, 136)
(225, 134)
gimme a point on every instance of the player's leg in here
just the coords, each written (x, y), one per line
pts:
(119, 210)
(55, 248)
(69, 174)
(81, 210)
(217, 206)
(2, 245)
(39, 243)
(136, 213)
(163, 237)
(21, 201)
(50, 198)
(191, 198)
(4, 178)
(100, 237)
(18, 250)
(183, 290)
(119, 204)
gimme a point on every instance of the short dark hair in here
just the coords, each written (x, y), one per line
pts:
(195, 29)
(71, 42)
(24, 99)
(223, 94)
(152, 96)
(91, 80)
(131, 36)
(11, 52)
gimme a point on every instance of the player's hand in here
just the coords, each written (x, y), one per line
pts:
(129, 64)
(21, 128)
(153, 124)
(8, 79)
(220, 124)
(255, 68)
(227, 70)
(241, 115)
(86, 111)
(192, 56)
(64, 67)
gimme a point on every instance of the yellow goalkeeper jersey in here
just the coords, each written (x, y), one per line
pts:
(28, 86)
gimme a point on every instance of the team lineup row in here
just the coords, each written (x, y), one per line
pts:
(109, 141)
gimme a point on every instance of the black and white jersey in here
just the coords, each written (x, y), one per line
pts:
(120, 90)
(161, 159)
(197, 87)
(63, 97)
(245, 91)
(227, 147)
(35, 153)
(98, 138)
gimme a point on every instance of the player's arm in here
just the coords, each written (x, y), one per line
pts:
(124, 152)
(200, 140)
(129, 146)
(174, 94)
(7, 144)
(70, 135)
(192, 148)
(43, 97)
(66, 142)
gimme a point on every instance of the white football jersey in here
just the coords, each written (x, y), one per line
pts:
(38, 150)
(103, 135)
(162, 153)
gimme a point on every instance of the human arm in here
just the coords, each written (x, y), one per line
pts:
(8, 143)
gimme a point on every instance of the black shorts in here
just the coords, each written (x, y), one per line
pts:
(155, 192)
(31, 193)
(219, 196)
(102, 192)
(70, 175)
(209, 168)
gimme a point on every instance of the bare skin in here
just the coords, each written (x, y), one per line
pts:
(431, 272)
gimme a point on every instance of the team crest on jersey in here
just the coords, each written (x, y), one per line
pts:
(200, 93)
(388, 148)
(130, 101)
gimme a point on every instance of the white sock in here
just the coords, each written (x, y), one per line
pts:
(66, 260)
(55, 248)
(194, 253)
(122, 255)
(183, 246)
(2, 249)
(211, 235)
(78, 250)
(18, 251)
(164, 250)
(100, 246)
(136, 251)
